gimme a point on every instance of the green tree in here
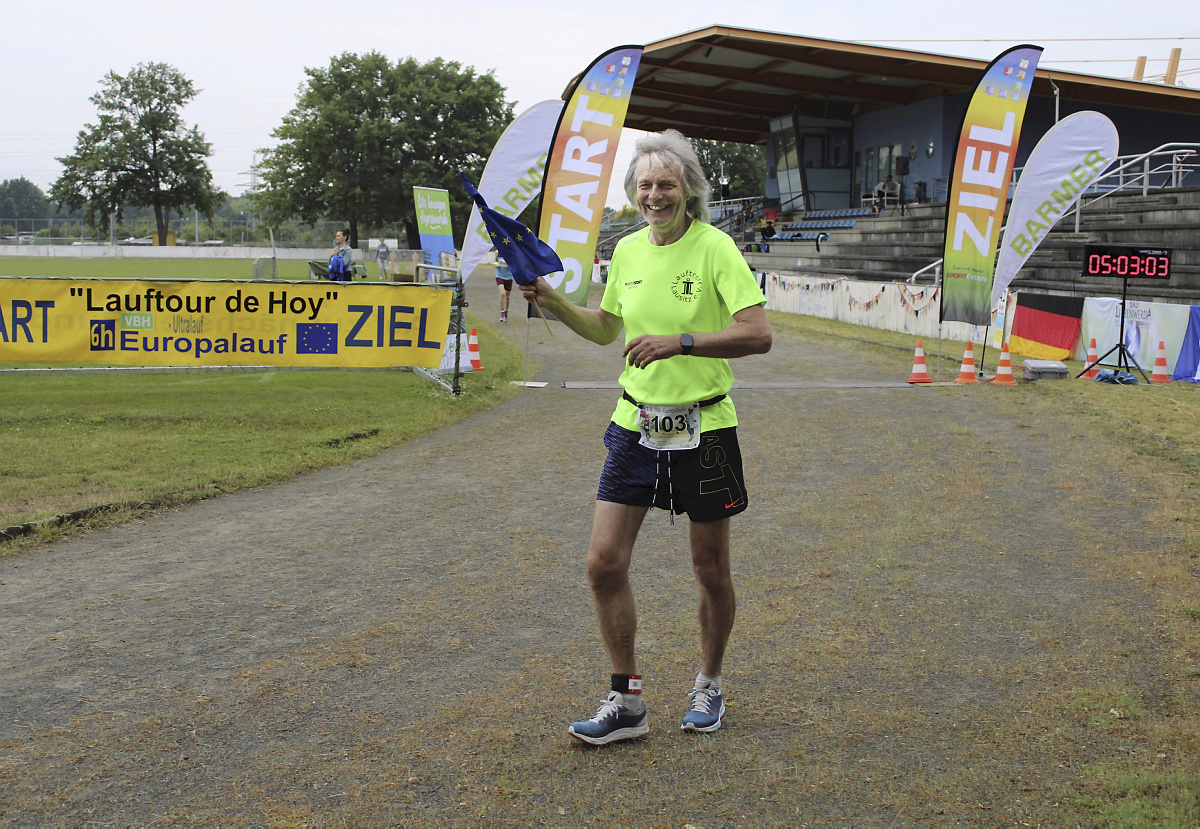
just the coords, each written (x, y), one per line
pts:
(364, 131)
(745, 166)
(20, 198)
(140, 152)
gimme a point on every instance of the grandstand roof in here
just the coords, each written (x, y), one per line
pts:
(727, 83)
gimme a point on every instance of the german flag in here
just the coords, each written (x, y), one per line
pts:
(1045, 327)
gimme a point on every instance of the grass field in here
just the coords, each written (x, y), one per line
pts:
(73, 442)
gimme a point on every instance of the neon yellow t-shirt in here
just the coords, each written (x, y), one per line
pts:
(694, 285)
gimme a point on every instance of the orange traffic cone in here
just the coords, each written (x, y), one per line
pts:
(1093, 356)
(473, 351)
(1004, 375)
(966, 374)
(1160, 365)
(919, 373)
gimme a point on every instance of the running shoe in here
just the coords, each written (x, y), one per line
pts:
(704, 711)
(612, 722)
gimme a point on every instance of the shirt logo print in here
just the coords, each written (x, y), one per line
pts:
(686, 286)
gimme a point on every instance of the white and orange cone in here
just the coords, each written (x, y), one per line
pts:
(473, 351)
(1160, 374)
(1004, 375)
(919, 373)
(966, 374)
(1093, 356)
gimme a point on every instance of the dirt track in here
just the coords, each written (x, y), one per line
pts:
(931, 628)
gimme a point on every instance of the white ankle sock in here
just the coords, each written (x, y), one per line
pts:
(713, 682)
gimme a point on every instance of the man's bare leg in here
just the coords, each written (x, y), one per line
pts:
(614, 531)
(718, 604)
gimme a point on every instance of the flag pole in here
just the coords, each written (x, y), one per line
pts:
(542, 314)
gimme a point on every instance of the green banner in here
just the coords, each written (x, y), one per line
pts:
(433, 223)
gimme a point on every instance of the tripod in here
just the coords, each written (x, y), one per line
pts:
(1124, 357)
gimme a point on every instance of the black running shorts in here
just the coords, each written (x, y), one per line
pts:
(705, 482)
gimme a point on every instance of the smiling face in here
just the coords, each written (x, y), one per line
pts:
(340, 238)
(662, 200)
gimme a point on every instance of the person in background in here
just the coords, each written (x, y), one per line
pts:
(340, 272)
(337, 271)
(504, 281)
(382, 256)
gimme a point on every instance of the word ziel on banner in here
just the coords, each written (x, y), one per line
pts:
(161, 323)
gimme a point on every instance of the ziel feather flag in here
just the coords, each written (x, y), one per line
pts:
(983, 165)
(581, 163)
(528, 257)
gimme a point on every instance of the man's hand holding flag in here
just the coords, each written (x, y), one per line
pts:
(528, 257)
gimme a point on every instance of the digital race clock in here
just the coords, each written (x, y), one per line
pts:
(1126, 261)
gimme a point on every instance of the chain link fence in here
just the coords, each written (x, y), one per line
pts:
(225, 232)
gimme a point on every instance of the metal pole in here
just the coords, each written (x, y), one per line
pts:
(937, 282)
(459, 303)
(525, 374)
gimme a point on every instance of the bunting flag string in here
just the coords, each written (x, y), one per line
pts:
(786, 283)
(856, 304)
(909, 296)
(913, 300)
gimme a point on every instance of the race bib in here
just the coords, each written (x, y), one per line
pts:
(668, 428)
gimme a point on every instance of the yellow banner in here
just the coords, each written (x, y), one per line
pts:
(130, 322)
(581, 162)
(978, 192)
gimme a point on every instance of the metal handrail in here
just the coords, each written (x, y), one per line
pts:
(1174, 171)
(937, 269)
(1177, 166)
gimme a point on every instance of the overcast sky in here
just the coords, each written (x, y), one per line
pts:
(247, 58)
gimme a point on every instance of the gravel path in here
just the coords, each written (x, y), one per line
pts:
(934, 625)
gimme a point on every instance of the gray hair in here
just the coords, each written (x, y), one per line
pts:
(672, 149)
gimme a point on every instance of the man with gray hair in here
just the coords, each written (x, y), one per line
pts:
(688, 303)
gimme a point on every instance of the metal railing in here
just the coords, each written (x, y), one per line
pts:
(936, 267)
(734, 216)
(1165, 167)
(1162, 168)
(225, 232)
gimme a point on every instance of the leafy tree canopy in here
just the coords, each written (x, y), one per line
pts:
(365, 131)
(140, 152)
(745, 166)
(20, 198)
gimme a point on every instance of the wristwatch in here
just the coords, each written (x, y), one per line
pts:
(686, 343)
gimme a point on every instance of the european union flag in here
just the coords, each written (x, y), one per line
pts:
(528, 257)
(316, 338)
